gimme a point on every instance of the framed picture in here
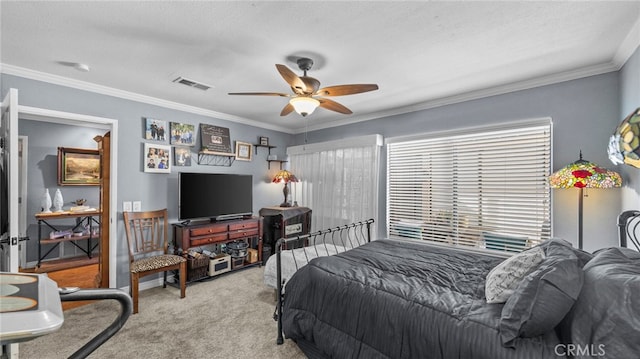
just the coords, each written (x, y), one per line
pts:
(215, 138)
(243, 151)
(78, 166)
(155, 130)
(157, 158)
(182, 134)
(182, 156)
(264, 141)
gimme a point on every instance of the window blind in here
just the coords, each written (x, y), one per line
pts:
(482, 188)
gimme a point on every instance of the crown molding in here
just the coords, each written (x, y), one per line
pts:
(625, 51)
(474, 95)
(628, 46)
(110, 91)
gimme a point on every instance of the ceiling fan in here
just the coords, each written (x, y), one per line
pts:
(307, 94)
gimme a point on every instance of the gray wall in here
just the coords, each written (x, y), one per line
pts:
(584, 114)
(154, 190)
(629, 101)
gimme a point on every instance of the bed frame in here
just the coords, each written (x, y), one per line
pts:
(348, 236)
(629, 225)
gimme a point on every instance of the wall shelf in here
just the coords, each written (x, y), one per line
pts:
(265, 146)
(211, 158)
(269, 147)
(279, 161)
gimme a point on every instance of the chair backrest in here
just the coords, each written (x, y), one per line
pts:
(147, 233)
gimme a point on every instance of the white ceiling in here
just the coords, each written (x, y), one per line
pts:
(421, 54)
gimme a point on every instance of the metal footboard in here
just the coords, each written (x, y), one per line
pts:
(317, 244)
(629, 224)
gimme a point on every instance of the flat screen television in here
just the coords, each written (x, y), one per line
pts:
(214, 196)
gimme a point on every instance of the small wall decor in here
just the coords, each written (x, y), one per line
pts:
(182, 134)
(243, 151)
(215, 139)
(78, 166)
(182, 156)
(157, 158)
(264, 141)
(155, 129)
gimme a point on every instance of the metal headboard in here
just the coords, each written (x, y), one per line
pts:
(629, 225)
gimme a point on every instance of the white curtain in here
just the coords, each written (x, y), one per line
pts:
(338, 180)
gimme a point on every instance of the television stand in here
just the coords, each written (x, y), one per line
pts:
(217, 233)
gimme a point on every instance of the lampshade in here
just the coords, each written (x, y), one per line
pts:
(304, 105)
(284, 176)
(584, 174)
(624, 144)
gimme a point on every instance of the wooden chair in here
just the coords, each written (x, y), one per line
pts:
(148, 236)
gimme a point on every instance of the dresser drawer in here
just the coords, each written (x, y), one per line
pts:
(244, 225)
(249, 232)
(196, 232)
(216, 237)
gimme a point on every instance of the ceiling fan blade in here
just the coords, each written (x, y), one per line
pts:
(342, 90)
(312, 85)
(334, 106)
(260, 94)
(297, 85)
(287, 110)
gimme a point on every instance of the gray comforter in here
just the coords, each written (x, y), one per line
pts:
(396, 299)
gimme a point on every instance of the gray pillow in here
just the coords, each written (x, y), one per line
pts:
(607, 313)
(544, 296)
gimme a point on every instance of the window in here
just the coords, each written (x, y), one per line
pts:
(338, 179)
(485, 188)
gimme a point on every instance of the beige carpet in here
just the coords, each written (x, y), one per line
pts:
(227, 317)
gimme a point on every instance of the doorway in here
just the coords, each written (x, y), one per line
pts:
(11, 106)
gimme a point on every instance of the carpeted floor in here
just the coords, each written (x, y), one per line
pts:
(227, 317)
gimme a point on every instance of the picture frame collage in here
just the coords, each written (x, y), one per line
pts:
(160, 157)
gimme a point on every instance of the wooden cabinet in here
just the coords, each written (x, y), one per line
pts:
(284, 222)
(222, 232)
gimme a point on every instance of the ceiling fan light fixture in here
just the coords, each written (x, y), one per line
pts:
(304, 105)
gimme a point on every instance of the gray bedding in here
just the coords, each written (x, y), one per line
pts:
(396, 299)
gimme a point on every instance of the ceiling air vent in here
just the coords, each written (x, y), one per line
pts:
(191, 83)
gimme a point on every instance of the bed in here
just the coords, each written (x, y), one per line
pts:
(280, 268)
(406, 299)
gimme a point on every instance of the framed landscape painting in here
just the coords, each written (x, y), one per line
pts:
(78, 166)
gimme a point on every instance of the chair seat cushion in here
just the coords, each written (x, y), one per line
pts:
(155, 262)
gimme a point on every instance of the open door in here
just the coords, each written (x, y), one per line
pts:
(9, 214)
